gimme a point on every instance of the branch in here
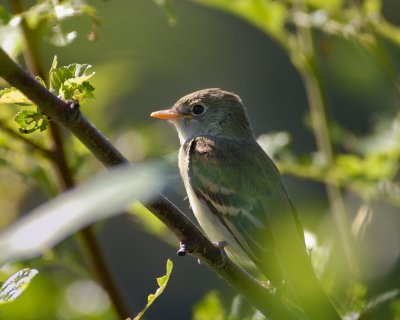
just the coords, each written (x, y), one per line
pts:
(318, 110)
(43, 150)
(68, 115)
(65, 179)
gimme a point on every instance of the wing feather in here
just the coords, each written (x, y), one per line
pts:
(243, 188)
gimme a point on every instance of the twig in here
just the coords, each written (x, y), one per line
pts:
(46, 152)
(313, 85)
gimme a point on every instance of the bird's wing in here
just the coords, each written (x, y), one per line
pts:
(242, 186)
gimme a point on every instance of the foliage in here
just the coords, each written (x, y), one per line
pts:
(46, 19)
(210, 307)
(365, 166)
(100, 198)
(67, 83)
(71, 82)
(162, 283)
(16, 284)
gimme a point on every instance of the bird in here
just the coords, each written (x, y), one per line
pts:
(238, 196)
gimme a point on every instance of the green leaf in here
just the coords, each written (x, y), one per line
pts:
(162, 283)
(102, 197)
(210, 307)
(150, 223)
(5, 17)
(71, 82)
(14, 96)
(330, 5)
(30, 121)
(60, 38)
(267, 15)
(388, 30)
(16, 284)
(372, 7)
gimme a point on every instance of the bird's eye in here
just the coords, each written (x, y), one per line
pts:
(197, 109)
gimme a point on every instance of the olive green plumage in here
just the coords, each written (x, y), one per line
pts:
(238, 196)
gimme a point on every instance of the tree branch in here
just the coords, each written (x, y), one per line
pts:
(43, 150)
(64, 176)
(68, 115)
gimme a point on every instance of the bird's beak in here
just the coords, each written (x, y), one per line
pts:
(168, 115)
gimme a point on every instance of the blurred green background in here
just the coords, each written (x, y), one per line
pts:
(144, 64)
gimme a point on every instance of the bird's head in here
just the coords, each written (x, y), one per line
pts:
(211, 112)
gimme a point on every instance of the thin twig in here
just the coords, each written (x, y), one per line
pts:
(313, 85)
(43, 150)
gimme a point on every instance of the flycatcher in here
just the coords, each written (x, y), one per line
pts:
(237, 194)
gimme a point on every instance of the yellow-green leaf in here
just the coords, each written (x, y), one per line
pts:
(267, 15)
(210, 307)
(16, 284)
(162, 283)
(14, 96)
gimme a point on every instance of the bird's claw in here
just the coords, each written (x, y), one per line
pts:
(221, 246)
(183, 248)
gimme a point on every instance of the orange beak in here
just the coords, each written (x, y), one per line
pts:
(168, 115)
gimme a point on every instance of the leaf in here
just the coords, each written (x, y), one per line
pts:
(330, 5)
(274, 142)
(267, 15)
(150, 223)
(16, 284)
(11, 39)
(380, 299)
(102, 197)
(210, 307)
(71, 82)
(162, 283)
(388, 30)
(60, 38)
(14, 96)
(30, 121)
(5, 17)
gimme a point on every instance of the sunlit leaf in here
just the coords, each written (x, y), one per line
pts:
(14, 96)
(274, 142)
(30, 121)
(52, 14)
(145, 219)
(162, 283)
(329, 5)
(372, 7)
(210, 307)
(71, 82)
(102, 197)
(388, 30)
(267, 15)
(16, 284)
(60, 38)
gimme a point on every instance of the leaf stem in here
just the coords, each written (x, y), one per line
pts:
(44, 151)
(307, 67)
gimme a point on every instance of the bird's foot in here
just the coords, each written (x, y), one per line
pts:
(221, 246)
(184, 247)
